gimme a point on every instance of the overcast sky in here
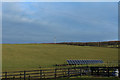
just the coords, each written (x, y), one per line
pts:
(40, 22)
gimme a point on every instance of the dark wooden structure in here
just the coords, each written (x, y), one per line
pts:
(61, 72)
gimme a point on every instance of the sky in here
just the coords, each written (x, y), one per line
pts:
(60, 0)
(40, 22)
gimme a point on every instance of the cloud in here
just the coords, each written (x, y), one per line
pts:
(40, 22)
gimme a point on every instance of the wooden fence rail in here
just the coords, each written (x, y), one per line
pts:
(60, 72)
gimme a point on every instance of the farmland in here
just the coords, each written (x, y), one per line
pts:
(32, 56)
(88, 78)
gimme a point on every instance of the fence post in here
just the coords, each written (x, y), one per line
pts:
(98, 72)
(119, 71)
(55, 73)
(40, 74)
(63, 71)
(5, 75)
(108, 71)
(20, 76)
(24, 75)
(29, 77)
(13, 77)
(91, 68)
(80, 72)
(68, 72)
(44, 75)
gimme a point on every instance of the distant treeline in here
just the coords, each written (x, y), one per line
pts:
(112, 44)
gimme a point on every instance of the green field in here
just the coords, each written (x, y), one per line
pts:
(32, 56)
(100, 78)
(89, 79)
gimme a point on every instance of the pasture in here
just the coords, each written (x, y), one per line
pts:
(88, 78)
(17, 57)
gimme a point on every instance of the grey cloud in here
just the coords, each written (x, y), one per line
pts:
(42, 22)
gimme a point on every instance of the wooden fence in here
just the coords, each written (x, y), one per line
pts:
(59, 73)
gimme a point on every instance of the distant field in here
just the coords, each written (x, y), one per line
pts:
(32, 56)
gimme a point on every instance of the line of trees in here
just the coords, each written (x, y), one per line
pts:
(114, 44)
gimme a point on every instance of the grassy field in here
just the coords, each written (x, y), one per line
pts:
(76, 79)
(32, 56)
(88, 79)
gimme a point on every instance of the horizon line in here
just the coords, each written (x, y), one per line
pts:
(59, 42)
